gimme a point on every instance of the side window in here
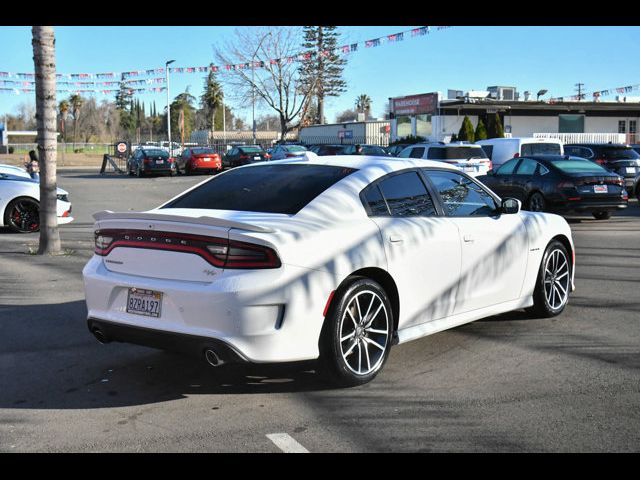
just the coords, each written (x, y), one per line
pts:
(573, 151)
(508, 167)
(376, 203)
(407, 196)
(488, 150)
(405, 153)
(461, 196)
(527, 167)
(543, 170)
(417, 152)
(233, 151)
(587, 153)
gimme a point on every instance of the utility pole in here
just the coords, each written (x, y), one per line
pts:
(579, 85)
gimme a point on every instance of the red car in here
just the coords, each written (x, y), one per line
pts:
(199, 160)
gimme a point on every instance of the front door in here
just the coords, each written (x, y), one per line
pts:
(494, 246)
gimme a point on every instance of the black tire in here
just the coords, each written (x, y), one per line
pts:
(337, 362)
(22, 215)
(544, 298)
(536, 202)
(602, 215)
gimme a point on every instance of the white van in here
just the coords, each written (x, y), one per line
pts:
(499, 150)
(468, 157)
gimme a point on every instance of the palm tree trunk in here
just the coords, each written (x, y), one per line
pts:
(44, 58)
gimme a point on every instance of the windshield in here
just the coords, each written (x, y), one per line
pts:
(578, 165)
(455, 153)
(263, 188)
(529, 149)
(295, 148)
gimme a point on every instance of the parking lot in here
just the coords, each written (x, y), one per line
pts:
(508, 383)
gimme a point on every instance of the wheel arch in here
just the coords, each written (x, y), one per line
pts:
(385, 280)
(567, 244)
(8, 204)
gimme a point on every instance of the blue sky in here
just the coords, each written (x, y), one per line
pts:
(462, 58)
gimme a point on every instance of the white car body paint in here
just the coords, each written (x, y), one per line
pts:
(13, 170)
(276, 315)
(11, 189)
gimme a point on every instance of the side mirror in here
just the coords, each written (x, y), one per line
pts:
(510, 205)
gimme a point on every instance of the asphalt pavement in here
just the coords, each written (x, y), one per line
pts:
(508, 383)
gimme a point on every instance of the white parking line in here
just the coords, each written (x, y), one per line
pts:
(286, 443)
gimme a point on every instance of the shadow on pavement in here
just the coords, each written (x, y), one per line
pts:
(49, 360)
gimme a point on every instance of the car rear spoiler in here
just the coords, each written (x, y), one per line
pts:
(202, 220)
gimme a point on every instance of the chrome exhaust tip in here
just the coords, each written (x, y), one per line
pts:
(212, 358)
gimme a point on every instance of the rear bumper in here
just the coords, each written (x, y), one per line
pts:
(192, 345)
(581, 207)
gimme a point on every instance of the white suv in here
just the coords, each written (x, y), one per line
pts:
(468, 157)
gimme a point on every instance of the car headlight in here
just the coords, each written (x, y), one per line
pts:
(63, 197)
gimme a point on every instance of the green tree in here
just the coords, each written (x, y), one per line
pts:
(63, 108)
(466, 132)
(183, 103)
(211, 99)
(499, 127)
(75, 101)
(123, 106)
(481, 131)
(363, 104)
(321, 72)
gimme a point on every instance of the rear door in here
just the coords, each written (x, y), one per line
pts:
(494, 247)
(422, 246)
(523, 179)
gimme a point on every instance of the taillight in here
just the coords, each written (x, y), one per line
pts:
(243, 157)
(267, 155)
(147, 161)
(600, 161)
(171, 159)
(219, 252)
(290, 155)
(516, 155)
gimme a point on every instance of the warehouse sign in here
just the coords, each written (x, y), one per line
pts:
(345, 134)
(426, 103)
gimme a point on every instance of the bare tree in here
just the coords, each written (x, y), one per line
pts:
(265, 65)
(44, 59)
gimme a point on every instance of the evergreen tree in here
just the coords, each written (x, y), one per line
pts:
(481, 131)
(321, 71)
(466, 132)
(499, 127)
(211, 100)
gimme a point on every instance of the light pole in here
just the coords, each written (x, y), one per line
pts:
(166, 71)
(253, 86)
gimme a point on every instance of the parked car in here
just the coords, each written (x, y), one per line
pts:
(280, 152)
(13, 170)
(373, 150)
(149, 160)
(468, 157)
(499, 150)
(619, 158)
(244, 155)
(394, 150)
(198, 160)
(636, 147)
(636, 187)
(323, 150)
(20, 203)
(335, 258)
(559, 184)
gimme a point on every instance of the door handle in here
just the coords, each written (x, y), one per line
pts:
(468, 238)
(395, 239)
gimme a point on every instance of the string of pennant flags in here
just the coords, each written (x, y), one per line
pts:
(26, 81)
(596, 95)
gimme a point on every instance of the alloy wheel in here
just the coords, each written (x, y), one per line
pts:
(364, 333)
(25, 216)
(556, 279)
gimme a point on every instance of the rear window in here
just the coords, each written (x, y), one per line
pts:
(373, 150)
(618, 153)
(540, 149)
(295, 148)
(264, 188)
(455, 153)
(251, 149)
(156, 153)
(202, 151)
(578, 165)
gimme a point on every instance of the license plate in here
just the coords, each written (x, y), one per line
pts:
(257, 158)
(206, 159)
(631, 169)
(600, 189)
(144, 302)
(159, 161)
(469, 169)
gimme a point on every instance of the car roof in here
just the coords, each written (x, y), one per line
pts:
(599, 145)
(444, 145)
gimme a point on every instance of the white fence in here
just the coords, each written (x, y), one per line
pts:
(585, 137)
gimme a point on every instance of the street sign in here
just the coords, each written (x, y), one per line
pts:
(122, 148)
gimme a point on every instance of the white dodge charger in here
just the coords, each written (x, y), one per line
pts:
(331, 258)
